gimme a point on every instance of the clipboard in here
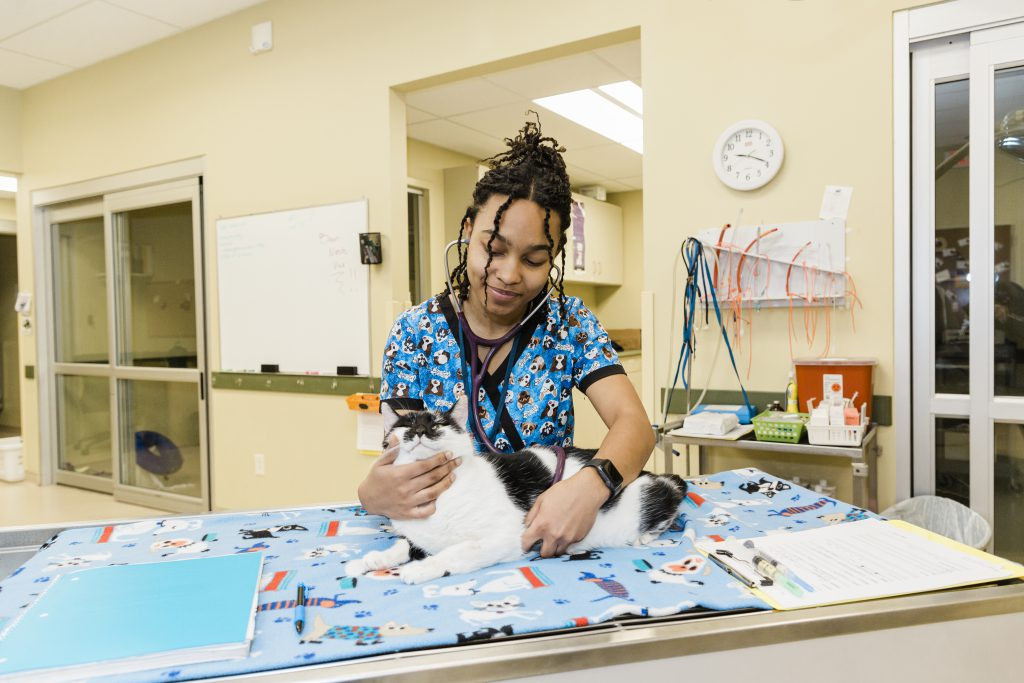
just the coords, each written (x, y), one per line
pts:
(863, 560)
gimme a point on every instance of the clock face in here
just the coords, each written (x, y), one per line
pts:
(747, 155)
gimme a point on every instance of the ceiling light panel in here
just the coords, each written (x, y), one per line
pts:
(626, 92)
(590, 110)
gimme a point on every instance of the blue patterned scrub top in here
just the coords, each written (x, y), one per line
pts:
(424, 367)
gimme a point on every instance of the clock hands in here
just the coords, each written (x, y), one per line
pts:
(751, 156)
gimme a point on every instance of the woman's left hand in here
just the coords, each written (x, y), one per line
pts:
(564, 513)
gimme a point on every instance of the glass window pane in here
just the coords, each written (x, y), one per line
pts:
(952, 248)
(160, 436)
(156, 287)
(1009, 491)
(83, 419)
(1008, 252)
(952, 461)
(80, 288)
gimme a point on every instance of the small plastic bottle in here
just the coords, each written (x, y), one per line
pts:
(791, 404)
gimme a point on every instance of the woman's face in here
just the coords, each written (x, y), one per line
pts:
(521, 262)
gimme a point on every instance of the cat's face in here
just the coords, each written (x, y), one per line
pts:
(423, 433)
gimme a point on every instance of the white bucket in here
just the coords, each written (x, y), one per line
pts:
(12, 466)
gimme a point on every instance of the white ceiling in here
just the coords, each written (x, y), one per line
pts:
(43, 39)
(474, 116)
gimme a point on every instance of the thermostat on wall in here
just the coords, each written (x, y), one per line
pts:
(23, 303)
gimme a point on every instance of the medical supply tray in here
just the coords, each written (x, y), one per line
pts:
(772, 425)
(836, 435)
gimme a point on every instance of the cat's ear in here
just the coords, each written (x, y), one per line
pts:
(460, 411)
(390, 416)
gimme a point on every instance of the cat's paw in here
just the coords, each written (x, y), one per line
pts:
(418, 572)
(369, 562)
(355, 568)
(647, 538)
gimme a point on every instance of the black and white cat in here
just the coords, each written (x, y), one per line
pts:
(478, 521)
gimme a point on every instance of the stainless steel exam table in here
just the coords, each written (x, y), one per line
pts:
(972, 633)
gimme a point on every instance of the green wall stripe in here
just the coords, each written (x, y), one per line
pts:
(295, 384)
(881, 406)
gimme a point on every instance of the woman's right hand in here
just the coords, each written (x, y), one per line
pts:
(407, 491)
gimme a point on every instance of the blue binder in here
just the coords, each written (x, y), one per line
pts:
(123, 618)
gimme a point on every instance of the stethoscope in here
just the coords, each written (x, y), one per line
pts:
(470, 342)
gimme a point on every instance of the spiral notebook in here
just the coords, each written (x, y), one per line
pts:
(124, 618)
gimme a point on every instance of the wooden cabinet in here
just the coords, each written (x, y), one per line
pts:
(602, 244)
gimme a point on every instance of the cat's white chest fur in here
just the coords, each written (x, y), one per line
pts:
(460, 516)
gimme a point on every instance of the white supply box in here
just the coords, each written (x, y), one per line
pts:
(12, 465)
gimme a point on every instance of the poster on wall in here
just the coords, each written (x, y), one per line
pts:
(579, 251)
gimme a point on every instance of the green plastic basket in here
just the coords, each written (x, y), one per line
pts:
(772, 425)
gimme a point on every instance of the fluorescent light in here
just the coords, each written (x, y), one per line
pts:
(627, 92)
(8, 183)
(599, 114)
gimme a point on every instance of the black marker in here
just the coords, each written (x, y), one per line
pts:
(300, 608)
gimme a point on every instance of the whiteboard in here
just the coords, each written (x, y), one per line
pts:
(292, 290)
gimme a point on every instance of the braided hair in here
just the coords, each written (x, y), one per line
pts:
(531, 168)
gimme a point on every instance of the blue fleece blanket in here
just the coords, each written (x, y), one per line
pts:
(374, 614)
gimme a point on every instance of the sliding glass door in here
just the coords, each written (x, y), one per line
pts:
(968, 272)
(129, 413)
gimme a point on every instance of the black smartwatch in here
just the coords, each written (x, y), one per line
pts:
(608, 473)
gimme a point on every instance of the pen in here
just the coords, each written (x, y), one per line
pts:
(300, 608)
(768, 566)
(749, 583)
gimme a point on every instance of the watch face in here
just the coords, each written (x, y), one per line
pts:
(747, 155)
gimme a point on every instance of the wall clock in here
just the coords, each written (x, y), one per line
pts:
(747, 155)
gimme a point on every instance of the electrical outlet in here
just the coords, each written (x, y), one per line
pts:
(259, 464)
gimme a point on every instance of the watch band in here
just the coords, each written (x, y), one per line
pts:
(609, 474)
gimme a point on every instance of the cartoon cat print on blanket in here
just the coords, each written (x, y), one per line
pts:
(765, 486)
(362, 635)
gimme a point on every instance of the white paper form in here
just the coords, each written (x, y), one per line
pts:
(369, 432)
(868, 559)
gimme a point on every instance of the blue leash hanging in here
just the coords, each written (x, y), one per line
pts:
(699, 286)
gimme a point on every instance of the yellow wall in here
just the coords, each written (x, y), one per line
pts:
(314, 121)
(618, 307)
(10, 130)
(7, 209)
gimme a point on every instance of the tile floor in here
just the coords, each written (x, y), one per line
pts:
(25, 502)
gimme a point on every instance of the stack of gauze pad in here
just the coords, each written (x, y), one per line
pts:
(710, 423)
